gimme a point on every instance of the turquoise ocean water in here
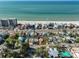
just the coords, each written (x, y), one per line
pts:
(40, 10)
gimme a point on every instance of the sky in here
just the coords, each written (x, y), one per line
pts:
(39, 0)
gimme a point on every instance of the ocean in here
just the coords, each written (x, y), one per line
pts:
(40, 10)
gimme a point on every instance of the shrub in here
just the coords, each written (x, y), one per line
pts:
(77, 40)
(7, 36)
(12, 41)
(6, 53)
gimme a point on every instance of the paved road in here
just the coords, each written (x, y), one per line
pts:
(72, 45)
(45, 30)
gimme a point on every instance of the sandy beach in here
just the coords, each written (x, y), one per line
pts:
(46, 22)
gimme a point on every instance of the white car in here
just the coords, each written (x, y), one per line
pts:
(53, 52)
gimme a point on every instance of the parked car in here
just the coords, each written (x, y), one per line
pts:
(65, 54)
(53, 53)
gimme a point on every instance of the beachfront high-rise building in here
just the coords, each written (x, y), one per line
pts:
(8, 23)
